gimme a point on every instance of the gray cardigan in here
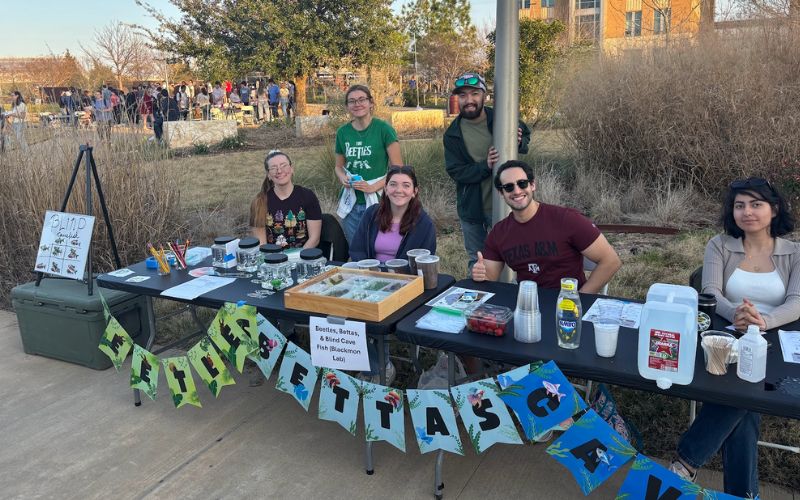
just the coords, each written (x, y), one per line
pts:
(724, 254)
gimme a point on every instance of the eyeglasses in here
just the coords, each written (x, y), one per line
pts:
(522, 184)
(283, 167)
(751, 182)
(360, 100)
(472, 80)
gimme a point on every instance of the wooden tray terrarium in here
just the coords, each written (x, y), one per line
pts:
(354, 293)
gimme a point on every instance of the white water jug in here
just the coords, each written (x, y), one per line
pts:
(668, 335)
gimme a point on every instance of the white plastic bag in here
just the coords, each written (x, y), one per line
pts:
(436, 376)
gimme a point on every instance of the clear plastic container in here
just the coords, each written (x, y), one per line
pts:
(276, 272)
(220, 259)
(265, 250)
(247, 255)
(311, 264)
(489, 319)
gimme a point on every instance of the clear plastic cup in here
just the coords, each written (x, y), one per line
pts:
(606, 332)
(369, 264)
(717, 351)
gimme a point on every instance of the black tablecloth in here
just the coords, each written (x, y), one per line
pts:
(620, 370)
(271, 306)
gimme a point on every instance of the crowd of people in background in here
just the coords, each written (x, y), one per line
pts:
(149, 105)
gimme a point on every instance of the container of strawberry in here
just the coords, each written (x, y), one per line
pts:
(489, 319)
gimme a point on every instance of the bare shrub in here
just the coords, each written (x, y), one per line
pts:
(549, 188)
(696, 114)
(143, 202)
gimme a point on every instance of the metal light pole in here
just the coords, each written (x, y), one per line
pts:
(416, 75)
(506, 90)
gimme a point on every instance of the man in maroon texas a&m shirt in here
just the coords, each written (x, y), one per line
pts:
(542, 242)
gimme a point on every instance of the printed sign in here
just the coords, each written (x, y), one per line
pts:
(64, 245)
(664, 350)
(340, 346)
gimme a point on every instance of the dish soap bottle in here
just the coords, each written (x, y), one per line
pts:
(568, 315)
(752, 365)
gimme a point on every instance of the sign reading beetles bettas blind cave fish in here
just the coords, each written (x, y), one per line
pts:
(64, 245)
(341, 345)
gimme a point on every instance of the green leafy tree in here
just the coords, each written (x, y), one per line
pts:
(447, 41)
(539, 49)
(286, 38)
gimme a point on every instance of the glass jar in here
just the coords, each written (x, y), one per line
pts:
(311, 264)
(220, 260)
(264, 250)
(247, 255)
(276, 272)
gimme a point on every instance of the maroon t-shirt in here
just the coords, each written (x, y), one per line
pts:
(546, 248)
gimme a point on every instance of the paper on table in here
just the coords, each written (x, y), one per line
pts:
(196, 287)
(790, 346)
(459, 298)
(628, 313)
(121, 273)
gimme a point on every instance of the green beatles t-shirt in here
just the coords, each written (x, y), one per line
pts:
(365, 151)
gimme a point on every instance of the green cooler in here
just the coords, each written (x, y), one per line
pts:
(59, 319)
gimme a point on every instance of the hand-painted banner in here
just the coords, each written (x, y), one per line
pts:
(484, 415)
(649, 481)
(338, 398)
(144, 371)
(591, 450)
(434, 421)
(209, 366)
(542, 400)
(270, 343)
(506, 379)
(115, 342)
(180, 381)
(718, 495)
(384, 419)
(106, 309)
(297, 375)
(231, 332)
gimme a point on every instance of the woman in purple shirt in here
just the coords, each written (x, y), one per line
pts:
(397, 223)
(388, 230)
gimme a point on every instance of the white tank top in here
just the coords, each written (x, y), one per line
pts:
(765, 290)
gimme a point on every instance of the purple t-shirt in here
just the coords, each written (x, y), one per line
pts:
(386, 244)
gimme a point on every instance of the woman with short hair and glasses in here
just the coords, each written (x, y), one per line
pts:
(283, 213)
(397, 223)
(365, 147)
(755, 276)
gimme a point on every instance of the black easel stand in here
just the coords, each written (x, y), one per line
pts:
(91, 171)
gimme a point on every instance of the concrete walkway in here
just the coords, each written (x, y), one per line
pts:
(73, 432)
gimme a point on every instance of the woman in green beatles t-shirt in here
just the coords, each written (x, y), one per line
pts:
(365, 147)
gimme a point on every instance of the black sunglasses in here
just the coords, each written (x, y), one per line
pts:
(473, 80)
(751, 182)
(509, 188)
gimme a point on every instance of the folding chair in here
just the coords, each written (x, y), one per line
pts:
(332, 240)
(248, 115)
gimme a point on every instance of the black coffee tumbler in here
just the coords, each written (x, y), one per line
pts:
(707, 303)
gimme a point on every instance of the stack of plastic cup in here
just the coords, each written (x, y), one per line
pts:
(527, 318)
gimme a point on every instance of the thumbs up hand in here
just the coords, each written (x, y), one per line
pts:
(479, 269)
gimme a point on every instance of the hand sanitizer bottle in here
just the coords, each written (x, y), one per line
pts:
(752, 365)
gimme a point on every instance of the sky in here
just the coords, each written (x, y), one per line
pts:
(57, 28)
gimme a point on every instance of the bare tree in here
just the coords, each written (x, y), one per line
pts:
(120, 47)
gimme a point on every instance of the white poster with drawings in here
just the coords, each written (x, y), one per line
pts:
(64, 245)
